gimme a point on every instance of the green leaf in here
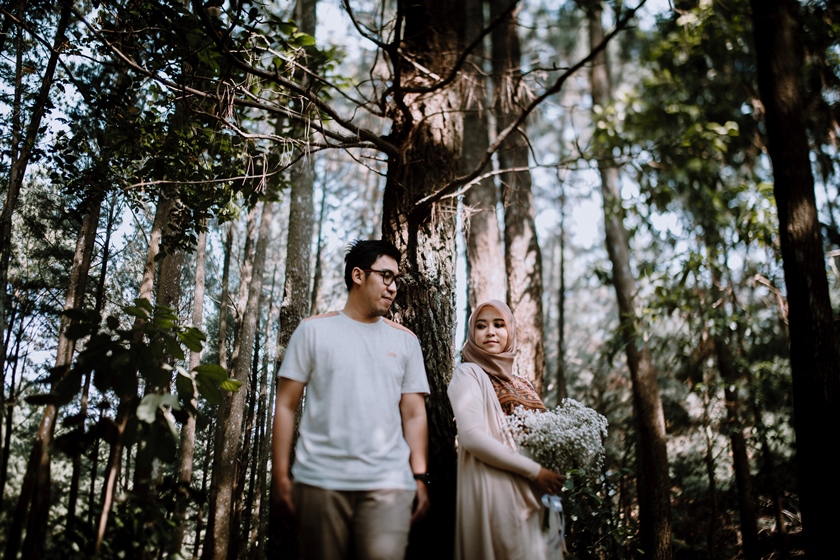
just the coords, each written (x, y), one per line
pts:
(173, 348)
(208, 389)
(302, 40)
(214, 372)
(192, 338)
(231, 385)
(148, 407)
(184, 387)
(137, 312)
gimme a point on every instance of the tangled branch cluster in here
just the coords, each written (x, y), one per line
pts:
(569, 437)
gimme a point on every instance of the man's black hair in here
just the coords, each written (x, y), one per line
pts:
(362, 253)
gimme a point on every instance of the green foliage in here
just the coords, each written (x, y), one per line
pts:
(121, 360)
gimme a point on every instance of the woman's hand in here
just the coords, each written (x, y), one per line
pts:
(549, 482)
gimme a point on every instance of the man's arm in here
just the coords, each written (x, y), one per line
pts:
(415, 430)
(289, 394)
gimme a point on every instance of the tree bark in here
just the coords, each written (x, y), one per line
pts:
(485, 259)
(560, 378)
(185, 467)
(653, 489)
(128, 402)
(523, 260)
(317, 272)
(239, 533)
(229, 427)
(813, 350)
(224, 297)
(147, 474)
(428, 128)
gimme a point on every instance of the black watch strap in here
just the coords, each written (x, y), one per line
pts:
(423, 477)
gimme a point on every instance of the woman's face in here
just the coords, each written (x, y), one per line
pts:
(491, 333)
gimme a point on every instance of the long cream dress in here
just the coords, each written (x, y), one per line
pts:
(498, 516)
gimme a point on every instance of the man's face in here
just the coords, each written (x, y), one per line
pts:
(374, 293)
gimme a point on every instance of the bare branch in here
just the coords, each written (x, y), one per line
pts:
(291, 85)
(500, 139)
(364, 32)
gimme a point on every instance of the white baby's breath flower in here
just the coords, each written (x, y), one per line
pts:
(569, 437)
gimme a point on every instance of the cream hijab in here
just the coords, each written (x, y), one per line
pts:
(500, 365)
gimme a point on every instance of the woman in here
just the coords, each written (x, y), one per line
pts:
(498, 513)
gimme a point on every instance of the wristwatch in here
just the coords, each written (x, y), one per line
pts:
(423, 477)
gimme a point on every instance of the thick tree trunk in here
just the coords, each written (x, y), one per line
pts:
(813, 351)
(523, 261)
(229, 427)
(428, 129)
(185, 467)
(485, 259)
(653, 489)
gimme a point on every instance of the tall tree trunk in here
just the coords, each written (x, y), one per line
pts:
(317, 274)
(148, 473)
(10, 404)
(257, 536)
(265, 489)
(99, 303)
(523, 261)
(813, 351)
(239, 534)
(224, 297)
(709, 461)
(229, 427)
(296, 293)
(740, 460)
(185, 466)
(38, 501)
(653, 489)
(732, 377)
(427, 129)
(22, 153)
(14, 149)
(205, 470)
(127, 401)
(485, 260)
(560, 378)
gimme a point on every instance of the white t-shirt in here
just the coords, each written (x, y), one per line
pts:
(355, 373)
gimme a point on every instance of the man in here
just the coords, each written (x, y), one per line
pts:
(360, 462)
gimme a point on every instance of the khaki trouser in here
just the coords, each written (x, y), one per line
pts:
(359, 524)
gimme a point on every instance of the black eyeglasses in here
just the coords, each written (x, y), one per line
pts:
(388, 277)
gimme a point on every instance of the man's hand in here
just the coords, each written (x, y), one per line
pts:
(289, 394)
(421, 502)
(549, 482)
(283, 498)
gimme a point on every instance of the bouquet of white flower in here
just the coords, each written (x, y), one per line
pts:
(569, 437)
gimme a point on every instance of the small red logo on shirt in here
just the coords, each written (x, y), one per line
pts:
(392, 354)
